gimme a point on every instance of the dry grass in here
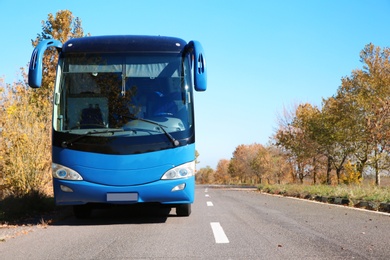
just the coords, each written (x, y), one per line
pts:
(25, 158)
(351, 192)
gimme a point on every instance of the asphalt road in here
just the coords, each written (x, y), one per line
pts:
(224, 224)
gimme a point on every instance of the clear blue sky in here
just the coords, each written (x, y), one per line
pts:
(261, 55)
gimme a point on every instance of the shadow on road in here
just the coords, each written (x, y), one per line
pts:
(119, 214)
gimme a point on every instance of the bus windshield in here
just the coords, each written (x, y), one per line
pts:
(124, 91)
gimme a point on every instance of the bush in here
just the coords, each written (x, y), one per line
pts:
(25, 157)
(351, 175)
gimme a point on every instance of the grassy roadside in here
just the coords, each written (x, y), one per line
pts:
(367, 193)
(353, 193)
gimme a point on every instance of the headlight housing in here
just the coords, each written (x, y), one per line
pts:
(182, 171)
(65, 173)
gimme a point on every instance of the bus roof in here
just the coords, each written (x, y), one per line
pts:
(124, 43)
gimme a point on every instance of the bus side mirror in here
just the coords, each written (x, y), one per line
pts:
(35, 68)
(200, 71)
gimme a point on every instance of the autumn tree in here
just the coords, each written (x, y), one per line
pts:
(353, 126)
(221, 174)
(260, 164)
(279, 167)
(379, 131)
(238, 166)
(338, 142)
(295, 136)
(241, 166)
(369, 90)
(196, 157)
(63, 26)
(320, 130)
(25, 116)
(256, 163)
(24, 143)
(205, 175)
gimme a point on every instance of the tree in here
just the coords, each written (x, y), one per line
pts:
(338, 143)
(196, 157)
(241, 165)
(238, 166)
(63, 26)
(279, 167)
(368, 89)
(261, 164)
(205, 175)
(25, 116)
(25, 158)
(221, 174)
(295, 135)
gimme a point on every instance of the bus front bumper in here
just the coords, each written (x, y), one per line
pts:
(178, 191)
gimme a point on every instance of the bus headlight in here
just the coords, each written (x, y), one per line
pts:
(65, 173)
(182, 171)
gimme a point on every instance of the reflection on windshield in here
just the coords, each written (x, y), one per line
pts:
(113, 92)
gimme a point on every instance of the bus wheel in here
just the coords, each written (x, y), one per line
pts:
(183, 210)
(82, 211)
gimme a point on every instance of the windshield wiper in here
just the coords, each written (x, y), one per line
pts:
(170, 137)
(70, 142)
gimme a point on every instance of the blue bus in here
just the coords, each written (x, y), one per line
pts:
(123, 120)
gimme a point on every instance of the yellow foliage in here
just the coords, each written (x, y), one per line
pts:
(25, 116)
(350, 175)
(11, 110)
(24, 142)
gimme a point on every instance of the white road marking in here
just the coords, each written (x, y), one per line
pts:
(207, 195)
(206, 190)
(219, 234)
(210, 204)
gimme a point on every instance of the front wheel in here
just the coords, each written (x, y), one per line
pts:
(183, 210)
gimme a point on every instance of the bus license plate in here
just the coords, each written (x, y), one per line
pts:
(122, 196)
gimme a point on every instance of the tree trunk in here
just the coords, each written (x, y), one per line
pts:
(314, 171)
(360, 167)
(300, 174)
(338, 170)
(328, 170)
(377, 174)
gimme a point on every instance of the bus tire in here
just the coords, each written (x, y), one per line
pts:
(183, 210)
